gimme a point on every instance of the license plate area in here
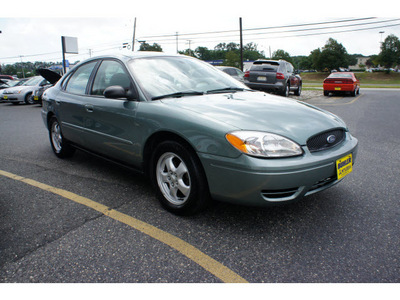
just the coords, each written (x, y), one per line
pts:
(344, 166)
(261, 78)
(338, 88)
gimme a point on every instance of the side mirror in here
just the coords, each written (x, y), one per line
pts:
(117, 91)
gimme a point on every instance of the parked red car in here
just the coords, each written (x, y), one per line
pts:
(344, 82)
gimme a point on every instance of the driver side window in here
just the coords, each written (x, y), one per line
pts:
(110, 73)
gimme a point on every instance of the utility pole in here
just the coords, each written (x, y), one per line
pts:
(241, 44)
(190, 50)
(177, 51)
(134, 32)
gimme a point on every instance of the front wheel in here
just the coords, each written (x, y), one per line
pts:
(177, 174)
(60, 146)
(298, 91)
(29, 99)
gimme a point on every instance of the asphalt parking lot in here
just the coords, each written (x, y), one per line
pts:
(86, 220)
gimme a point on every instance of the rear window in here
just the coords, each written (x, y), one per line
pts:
(340, 75)
(267, 66)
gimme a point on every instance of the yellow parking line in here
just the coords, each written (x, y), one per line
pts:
(339, 104)
(208, 263)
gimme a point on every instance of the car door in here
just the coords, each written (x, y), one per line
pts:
(294, 80)
(70, 103)
(110, 123)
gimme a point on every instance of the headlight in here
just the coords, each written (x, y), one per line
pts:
(263, 144)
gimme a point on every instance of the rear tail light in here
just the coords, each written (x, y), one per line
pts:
(280, 76)
(246, 74)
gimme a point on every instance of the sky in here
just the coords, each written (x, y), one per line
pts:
(32, 30)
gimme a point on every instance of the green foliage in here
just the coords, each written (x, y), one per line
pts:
(390, 52)
(147, 47)
(332, 56)
(29, 68)
(281, 54)
(230, 53)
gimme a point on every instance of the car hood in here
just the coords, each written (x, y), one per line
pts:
(49, 75)
(259, 111)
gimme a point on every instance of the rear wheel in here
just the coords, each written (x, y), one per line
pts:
(177, 174)
(286, 90)
(60, 146)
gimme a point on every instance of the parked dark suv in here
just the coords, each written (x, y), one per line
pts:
(274, 76)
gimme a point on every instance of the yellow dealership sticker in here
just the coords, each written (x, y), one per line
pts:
(344, 166)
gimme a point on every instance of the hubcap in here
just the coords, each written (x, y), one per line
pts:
(173, 178)
(56, 137)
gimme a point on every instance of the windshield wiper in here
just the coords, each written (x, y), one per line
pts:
(178, 94)
(227, 89)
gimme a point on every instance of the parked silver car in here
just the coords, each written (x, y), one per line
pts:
(234, 72)
(23, 93)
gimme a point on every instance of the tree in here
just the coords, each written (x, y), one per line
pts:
(147, 47)
(203, 53)
(390, 52)
(221, 51)
(315, 58)
(334, 55)
(281, 54)
(232, 59)
(187, 52)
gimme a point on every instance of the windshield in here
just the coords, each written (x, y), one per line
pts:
(179, 76)
(33, 81)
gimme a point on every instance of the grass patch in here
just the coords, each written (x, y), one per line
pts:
(379, 78)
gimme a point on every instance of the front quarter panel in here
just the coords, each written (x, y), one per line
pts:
(203, 133)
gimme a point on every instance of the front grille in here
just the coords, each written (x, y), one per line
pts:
(323, 183)
(325, 140)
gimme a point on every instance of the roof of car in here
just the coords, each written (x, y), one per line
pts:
(138, 54)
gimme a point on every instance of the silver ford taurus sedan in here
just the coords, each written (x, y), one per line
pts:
(196, 132)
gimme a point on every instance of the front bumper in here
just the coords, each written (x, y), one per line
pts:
(13, 98)
(259, 182)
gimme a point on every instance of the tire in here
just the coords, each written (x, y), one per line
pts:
(326, 93)
(61, 148)
(353, 93)
(177, 174)
(29, 99)
(298, 91)
(286, 90)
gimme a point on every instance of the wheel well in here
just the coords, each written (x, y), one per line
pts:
(49, 115)
(158, 138)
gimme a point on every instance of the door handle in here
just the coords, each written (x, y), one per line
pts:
(89, 108)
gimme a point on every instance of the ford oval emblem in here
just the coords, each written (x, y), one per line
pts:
(331, 139)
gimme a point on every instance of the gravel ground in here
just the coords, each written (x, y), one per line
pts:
(308, 95)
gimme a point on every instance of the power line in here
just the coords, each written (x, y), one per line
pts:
(293, 30)
(262, 28)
